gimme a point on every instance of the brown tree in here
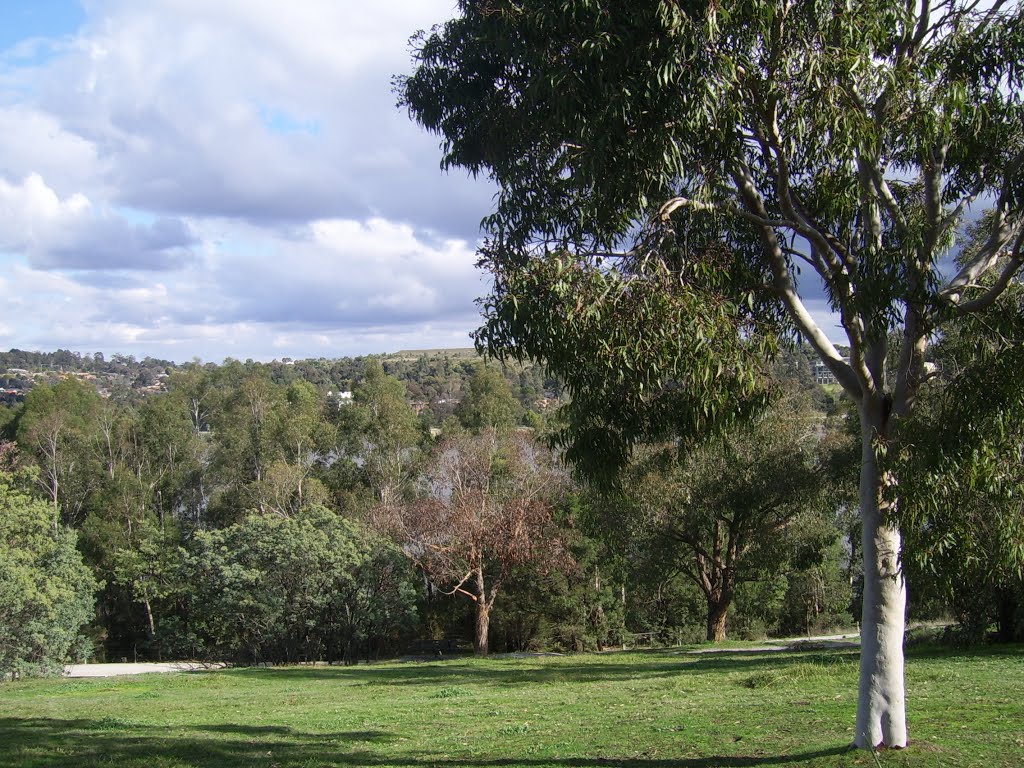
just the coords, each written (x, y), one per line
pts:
(484, 507)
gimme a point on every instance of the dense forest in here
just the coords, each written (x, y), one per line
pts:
(352, 509)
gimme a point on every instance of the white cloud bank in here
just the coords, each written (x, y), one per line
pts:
(188, 178)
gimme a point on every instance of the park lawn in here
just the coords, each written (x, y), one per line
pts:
(655, 709)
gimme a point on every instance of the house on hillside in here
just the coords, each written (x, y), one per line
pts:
(339, 399)
(822, 375)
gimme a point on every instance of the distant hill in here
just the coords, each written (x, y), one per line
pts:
(461, 353)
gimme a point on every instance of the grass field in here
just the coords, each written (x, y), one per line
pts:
(638, 710)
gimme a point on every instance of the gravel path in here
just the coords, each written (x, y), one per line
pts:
(138, 668)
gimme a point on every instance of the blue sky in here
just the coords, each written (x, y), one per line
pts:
(24, 19)
(184, 178)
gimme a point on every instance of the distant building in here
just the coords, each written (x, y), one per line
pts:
(340, 398)
(822, 374)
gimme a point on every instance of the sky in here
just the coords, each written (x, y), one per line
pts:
(186, 178)
(181, 178)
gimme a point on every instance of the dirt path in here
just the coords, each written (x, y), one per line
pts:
(820, 642)
(138, 668)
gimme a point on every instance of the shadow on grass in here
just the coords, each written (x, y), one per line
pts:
(283, 730)
(37, 742)
(657, 664)
(530, 672)
(943, 652)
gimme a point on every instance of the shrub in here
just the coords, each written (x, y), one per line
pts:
(46, 592)
(286, 589)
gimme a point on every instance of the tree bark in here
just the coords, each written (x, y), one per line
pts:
(718, 612)
(150, 623)
(881, 703)
(483, 614)
(483, 620)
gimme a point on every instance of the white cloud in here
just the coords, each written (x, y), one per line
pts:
(334, 272)
(33, 142)
(69, 233)
(184, 177)
(331, 288)
(186, 102)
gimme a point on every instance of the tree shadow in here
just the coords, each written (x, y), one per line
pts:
(283, 730)
(36, 742)
(529, 672)
(987, 651)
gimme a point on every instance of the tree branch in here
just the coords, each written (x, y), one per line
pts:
(787, 292)
(673, 205)
(1002, 232)
(1012, 267)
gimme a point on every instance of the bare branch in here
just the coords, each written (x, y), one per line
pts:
(885, 195)
(988, 256)
(458, 587)
(910, 372)
(673, 205)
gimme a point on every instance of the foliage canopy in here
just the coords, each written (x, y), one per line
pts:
(841, 140)
(46, 592)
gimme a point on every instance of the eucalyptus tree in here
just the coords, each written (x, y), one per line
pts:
(827, 146)
(488, 402)
(302, 437)
(172, 457)
(384, 433)
(57, 429)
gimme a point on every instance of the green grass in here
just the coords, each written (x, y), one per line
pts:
(655, 709)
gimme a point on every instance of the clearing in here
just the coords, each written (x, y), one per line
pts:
(653, 709)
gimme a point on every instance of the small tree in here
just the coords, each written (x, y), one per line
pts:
(46, 592)
(147, 567)
(483, 509)
(740, 507)
(488, 402)
(56, 428)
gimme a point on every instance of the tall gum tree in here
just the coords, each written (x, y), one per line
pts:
(832, 146)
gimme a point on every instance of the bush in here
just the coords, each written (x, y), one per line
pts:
(46, 592)
(304, 588)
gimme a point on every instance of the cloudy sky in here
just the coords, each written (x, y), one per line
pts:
(186, 178)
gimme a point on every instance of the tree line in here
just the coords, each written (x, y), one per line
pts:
(237, 517)
(201, 511)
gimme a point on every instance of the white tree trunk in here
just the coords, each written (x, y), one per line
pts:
(881, 703)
